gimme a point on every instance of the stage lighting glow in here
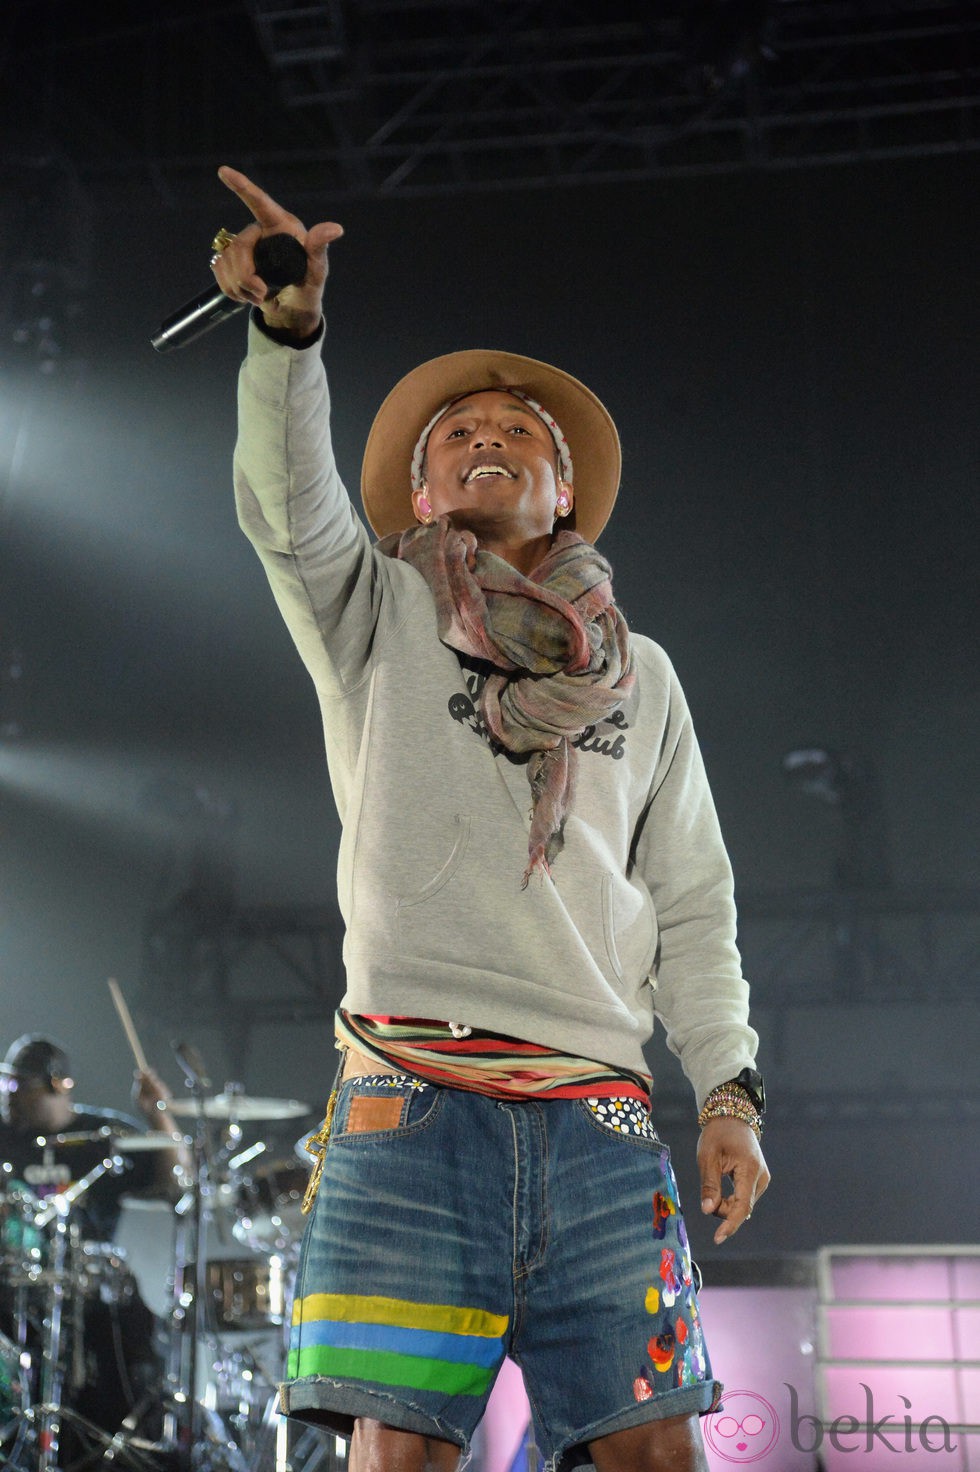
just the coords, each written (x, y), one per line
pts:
(151, 799)
(98, 787)
(95, 786)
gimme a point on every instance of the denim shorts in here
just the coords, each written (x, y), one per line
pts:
(450, 1230)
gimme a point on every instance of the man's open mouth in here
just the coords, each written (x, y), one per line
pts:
(480, 471)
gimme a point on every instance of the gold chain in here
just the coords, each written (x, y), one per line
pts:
(316, 1145)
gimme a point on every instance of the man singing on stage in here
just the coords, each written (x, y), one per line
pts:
(530, 873)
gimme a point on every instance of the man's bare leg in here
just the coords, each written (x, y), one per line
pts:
(671, 1445)
(376, 1447)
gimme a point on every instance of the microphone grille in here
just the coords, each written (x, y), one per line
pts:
(280, 260)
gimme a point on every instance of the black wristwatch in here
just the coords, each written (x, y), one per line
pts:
(751, 1080)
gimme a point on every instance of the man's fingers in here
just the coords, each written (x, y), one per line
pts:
(323, 235)
(262, 205)
(234, 267)
(733, 1211)
(294, 308)
(711, 1167)
(728, 1148)
(271, 216)
(242, 285)
(739, 1206)
(234, 179)
(710, 1192)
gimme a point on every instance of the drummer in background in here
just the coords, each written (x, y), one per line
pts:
(36, 1090)
(36, 1099)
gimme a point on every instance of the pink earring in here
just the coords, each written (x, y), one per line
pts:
(424, 508)
(562, 507)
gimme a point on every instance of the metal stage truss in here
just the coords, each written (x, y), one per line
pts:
(422, 97)
(807, 949)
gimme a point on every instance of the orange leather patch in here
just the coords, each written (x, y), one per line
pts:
(374, 1112)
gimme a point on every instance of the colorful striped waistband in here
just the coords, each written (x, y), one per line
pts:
(484, 1062)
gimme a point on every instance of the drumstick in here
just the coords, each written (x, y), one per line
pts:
(127, 1023)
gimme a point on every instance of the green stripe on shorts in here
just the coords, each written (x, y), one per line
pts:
(382, 1367)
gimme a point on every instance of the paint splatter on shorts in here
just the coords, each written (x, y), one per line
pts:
(451, 1229)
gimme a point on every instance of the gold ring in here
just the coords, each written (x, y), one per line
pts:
(222, 240)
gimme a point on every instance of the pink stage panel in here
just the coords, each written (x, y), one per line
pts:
(919, 1307)
(966, 1277)
(931, 1391)
(970, 1390)
(962, 1458)
(901, 1278)
(760, 1341)
(915, 1333)
(966, 1333)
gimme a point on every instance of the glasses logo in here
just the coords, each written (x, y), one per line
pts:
(745, 1428)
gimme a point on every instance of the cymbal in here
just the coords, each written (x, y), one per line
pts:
(75, 1137)
(240, 1106)
(154, 1140)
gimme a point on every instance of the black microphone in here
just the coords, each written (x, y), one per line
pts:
(279, 259)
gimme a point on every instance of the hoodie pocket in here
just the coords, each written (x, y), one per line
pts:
(471, 910)
(443, 876)
(632, 933)
(609, 926)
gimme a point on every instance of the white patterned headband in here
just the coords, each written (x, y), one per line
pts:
(561, 444)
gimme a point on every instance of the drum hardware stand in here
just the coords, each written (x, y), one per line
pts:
(18, 1455)
(20, 1321)
(195, 1435)
(57, 1212)
(189, 1428)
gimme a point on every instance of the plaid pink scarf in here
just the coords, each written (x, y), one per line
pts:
(558, 644)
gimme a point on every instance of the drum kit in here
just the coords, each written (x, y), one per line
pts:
(234, 1246)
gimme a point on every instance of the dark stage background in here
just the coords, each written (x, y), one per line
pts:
(791, 359)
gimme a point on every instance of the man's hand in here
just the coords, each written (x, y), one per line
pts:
(728, 1147)
(295, 309)
(150, 1094)
(152, 1097)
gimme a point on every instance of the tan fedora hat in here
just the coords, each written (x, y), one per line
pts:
(386, 486)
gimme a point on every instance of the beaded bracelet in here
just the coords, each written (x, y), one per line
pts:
(731, 1101)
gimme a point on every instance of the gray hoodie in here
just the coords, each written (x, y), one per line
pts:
(638, 917)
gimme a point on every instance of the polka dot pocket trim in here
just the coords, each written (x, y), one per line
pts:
(624, 1116)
